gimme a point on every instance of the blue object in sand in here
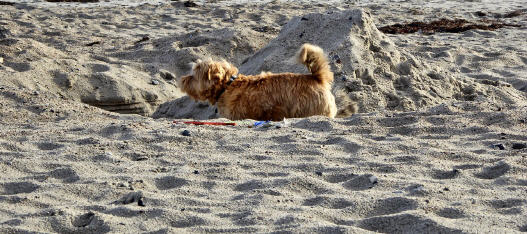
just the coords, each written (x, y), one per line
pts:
(258, 123)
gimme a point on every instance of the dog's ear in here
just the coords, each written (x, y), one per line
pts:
(195, 65)
(233, 70)
(230, 69)
(216, 72)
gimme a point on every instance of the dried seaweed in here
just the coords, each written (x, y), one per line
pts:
(442, 25)
(3, 3)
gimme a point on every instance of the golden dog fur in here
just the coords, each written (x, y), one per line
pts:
(266, 96)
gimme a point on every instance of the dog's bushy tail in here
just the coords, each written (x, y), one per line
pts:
(315, 60)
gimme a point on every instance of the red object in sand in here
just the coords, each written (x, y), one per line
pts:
(206, 123)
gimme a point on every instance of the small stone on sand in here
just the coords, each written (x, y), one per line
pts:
(373, 179)
(190, 4)
(498, 146)
(166, 75)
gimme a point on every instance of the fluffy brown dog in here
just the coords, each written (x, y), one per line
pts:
(266, 96)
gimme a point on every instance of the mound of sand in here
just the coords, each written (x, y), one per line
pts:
(367, 64)
(176, 52)
(95, 80)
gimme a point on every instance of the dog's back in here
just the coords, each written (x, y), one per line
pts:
(277, 96)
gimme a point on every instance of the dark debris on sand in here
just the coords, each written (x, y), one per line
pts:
(442, 25)
(143, 39)
(511, 14)
(514, 13)
(3, 3)
(93, 43)
(190, 4)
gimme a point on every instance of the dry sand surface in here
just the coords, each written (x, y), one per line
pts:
(88, 96)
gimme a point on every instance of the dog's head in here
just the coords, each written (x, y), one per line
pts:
(207, 80)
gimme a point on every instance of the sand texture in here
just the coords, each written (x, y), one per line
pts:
(88, 98)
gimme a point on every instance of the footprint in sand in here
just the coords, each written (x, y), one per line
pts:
(314, 125)
(287, 220)
(243, 218)
(436, 120)
(510, 206)
(83, 220)
(382, 168)
(12, 188)
(445, 175)
(467, 166)
(296, 149)
(507, 203)
(307, 185)
(270, 174)
(404, 223)
(407, 159)
(495, 171)
(170, 182)
(98, 67)
(128, 212)
(249, 185)
(66, 174)
(391, 205)
(398, 121)
(343, 144)
(62, 79)
(328, 202)
(338, 177)
(283, 139)
(11, 222)
(450, 213)
(524, 59)
(88, 141)
(82, 223)
(209, 185)
(258, 157)
(361, 182)
(49, 146)
(188, 221)
(19, 67)
(405, 131)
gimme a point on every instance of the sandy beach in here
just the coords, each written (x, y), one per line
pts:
(88, 100)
